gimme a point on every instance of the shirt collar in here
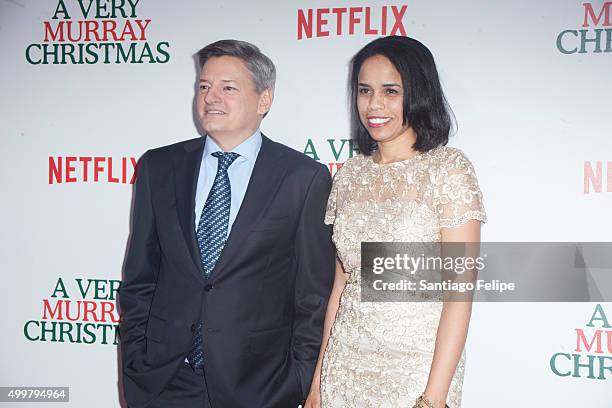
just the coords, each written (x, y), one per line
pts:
(247, 149)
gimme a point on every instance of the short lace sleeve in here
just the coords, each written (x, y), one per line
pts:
(458, 197)
(330, 212)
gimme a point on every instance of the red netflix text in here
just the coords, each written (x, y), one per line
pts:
(338, 21)
(597, 177)
(88, 169)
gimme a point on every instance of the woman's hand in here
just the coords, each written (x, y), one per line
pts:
(314, 395)
(313, 400)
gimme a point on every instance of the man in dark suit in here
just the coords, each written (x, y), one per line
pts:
(229, 266)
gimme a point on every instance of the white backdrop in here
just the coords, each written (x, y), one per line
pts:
(531, 118)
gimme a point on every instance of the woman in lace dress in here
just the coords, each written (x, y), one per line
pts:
(405, 185)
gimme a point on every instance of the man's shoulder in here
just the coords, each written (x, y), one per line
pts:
(161, 158)
(297, 161)
(182, 147)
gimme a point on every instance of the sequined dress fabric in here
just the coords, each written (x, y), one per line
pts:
(379, 354)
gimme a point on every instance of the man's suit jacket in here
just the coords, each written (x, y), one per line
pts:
(264, 304)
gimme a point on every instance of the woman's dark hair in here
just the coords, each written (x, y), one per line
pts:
(425, 108)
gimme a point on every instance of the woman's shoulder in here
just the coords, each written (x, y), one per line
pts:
(352, 166)
(448, 158)
(447, 153)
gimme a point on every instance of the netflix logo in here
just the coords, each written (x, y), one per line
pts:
(597, 177)
(92, 169)
(338, 21)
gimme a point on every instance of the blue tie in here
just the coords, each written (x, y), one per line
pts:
(211, 235)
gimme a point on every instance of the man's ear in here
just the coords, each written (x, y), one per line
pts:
(265, 101)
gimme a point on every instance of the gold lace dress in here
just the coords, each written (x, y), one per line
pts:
(379, 354)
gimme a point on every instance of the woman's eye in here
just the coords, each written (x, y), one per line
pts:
(392, 91)
(364, 90)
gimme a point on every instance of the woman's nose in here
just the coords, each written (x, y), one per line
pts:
(376, 101)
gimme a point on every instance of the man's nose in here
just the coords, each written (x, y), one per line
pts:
(212, 96)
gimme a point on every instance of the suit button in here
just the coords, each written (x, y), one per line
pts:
(208, 287)
(193, 328)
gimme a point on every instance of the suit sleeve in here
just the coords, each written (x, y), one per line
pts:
(315, 275)
(140, 272)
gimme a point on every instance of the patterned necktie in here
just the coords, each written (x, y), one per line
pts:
(211, 235)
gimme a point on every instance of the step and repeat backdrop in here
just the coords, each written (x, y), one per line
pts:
(89, 85)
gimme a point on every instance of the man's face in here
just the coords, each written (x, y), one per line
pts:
(229, 107)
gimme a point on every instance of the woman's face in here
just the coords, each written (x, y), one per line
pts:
(380, 99)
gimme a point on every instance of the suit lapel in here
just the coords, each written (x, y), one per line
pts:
(187, 168)
(268, 172)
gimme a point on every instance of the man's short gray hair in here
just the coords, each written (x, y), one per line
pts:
(260, 66)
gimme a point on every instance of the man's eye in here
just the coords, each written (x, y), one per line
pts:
(204, 87)
(229, 88)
